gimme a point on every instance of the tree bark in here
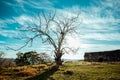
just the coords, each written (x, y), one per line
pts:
(58, 60)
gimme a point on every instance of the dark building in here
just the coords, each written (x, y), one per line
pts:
(102, 56)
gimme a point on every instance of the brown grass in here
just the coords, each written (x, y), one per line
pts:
(69, 71)
(27, 72)
(4, 78)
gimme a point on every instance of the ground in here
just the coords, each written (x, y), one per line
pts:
(69, 71)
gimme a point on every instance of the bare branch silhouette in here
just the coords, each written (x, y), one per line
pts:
(54, 31)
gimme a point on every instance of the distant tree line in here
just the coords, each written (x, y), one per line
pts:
(5, 62)
(1, 54)
(31, 57)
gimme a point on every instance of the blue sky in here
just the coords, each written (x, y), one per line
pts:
(99, 24)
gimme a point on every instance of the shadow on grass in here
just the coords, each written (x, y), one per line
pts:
(45, 75)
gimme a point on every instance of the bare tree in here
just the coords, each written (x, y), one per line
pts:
(44, 58)
(54, 29)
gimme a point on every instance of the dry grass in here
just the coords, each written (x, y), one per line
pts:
(21, 72)
(4, 78)
(88, 71)
(69, 71)
(27, 72)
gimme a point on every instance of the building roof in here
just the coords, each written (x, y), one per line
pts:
(103, 52)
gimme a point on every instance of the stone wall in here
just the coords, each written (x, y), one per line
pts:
(102, 56)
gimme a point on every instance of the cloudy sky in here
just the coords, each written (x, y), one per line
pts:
(99, 24)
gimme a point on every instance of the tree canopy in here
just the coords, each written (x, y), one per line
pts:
(31, 57)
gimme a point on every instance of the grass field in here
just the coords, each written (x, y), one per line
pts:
(69, 71)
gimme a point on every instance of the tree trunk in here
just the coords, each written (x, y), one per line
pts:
(58, 61)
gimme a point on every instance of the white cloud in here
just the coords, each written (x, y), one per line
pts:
(2, 42)
(19, 1)
(40, 4)
(95, 27)
(100, 47)
(96, 22)
(21, 6)
(102, 36)
(9, 33)
(91, 24)
(24, 19)
(4, 22)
